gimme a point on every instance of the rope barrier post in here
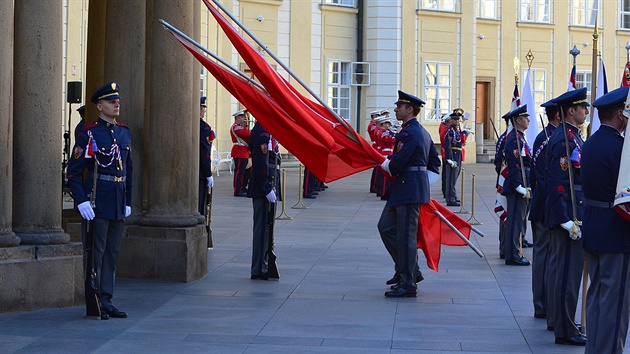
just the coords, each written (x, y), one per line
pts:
(299, 204)
(473, 220)
(283, 215)
(462, 210)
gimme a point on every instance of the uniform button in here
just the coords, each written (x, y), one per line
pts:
(580, 202)
(112, 132)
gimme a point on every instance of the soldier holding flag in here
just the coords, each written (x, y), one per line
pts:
(565, 202)
(606, 234)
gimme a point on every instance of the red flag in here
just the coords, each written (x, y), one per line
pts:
(433, 232)
(347, 153)
(626, 76)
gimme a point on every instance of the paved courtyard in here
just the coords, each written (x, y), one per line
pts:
(329, 299)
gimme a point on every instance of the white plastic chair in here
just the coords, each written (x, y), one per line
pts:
(220, 157)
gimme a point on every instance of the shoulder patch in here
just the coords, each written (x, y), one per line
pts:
(564, 163)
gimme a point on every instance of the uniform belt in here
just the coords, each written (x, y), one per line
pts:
(388, 149)
(577, 188)
(240, 144)
(112, 178)
(598, 204)
(415, 168)
(456, 148)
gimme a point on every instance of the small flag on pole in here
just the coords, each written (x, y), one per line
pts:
(572, 84)
(626, 76)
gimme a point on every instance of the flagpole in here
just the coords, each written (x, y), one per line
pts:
(594, 70)
(284, 66)
(173, 29)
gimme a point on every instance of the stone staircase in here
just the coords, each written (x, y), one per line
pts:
(485, 152)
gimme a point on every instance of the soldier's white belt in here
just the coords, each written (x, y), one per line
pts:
(112, 178)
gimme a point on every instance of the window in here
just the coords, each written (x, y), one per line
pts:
(437, 90)
(439, 5)
(202, 82)
(624, 14)
(339, 87)
(585, 12)
(535, 11)
(583, 79)
(487, 9)
(538, 83)
(349, 3)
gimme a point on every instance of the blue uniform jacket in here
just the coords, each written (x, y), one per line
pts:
(558, 188)
(453, 144)
(538, 175)
(414, 154)
(206, 135)
(263, 162)
(603, 229)
(111, 196)
(498, 155)
(512, 158)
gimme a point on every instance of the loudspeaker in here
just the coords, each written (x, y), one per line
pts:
(74, 92)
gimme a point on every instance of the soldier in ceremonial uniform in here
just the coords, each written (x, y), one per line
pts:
(446, 122)
(110, 143)
(453, 152)
(566, 256)
(372, 128)
(540, 231)
(265, 159)
(239, 132)
(517, 157)
(414, 155)
(387, 141)
(605, 233)
(206, 136)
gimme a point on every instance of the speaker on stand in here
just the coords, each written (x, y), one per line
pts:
(73, 95)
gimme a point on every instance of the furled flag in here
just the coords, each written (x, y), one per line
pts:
(622, 197)
(572, 84)
(528, 98)
(433, 233)
(602, 89)
(91, 147)
(625, 81)
(516, 98)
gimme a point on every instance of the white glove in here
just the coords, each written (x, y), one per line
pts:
(522, 190)
(433, 177)
(86, 210)
(570, 226)
(127, 210)
(210, 182)
(271, 197)
(451, 162)
(385, 166)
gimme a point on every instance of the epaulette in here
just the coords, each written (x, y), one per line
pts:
(120, 124)
(90, 126)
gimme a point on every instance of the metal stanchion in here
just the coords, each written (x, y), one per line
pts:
(473, 220)
(283, 215)
(299, 204)
(462, 210)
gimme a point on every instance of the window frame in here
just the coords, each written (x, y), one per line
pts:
(535, 4)
(624, 4)
(492, 4)
(344, 3)
(586, 10)
(343, 84)
(434, 114)
(439, 5)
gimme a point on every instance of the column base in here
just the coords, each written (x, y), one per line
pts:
(164, 253)
(9, 239)
(43, 237)
(39, 277)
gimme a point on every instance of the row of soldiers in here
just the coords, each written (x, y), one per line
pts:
(568, 187)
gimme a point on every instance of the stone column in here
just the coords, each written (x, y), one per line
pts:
(37, 136)
(171, 146)
(7, 237)
(169, 244)
(124, 63)
(196, 34)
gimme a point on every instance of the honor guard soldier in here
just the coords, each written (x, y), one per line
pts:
(109, 142)
(446, 122)
(239, 132)
(265, 162)
(387, 141)
(453, 152)
(206, 136)
(413, 156)
(518, 159)
(537, 213)
(565, 203)
(606, 234)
